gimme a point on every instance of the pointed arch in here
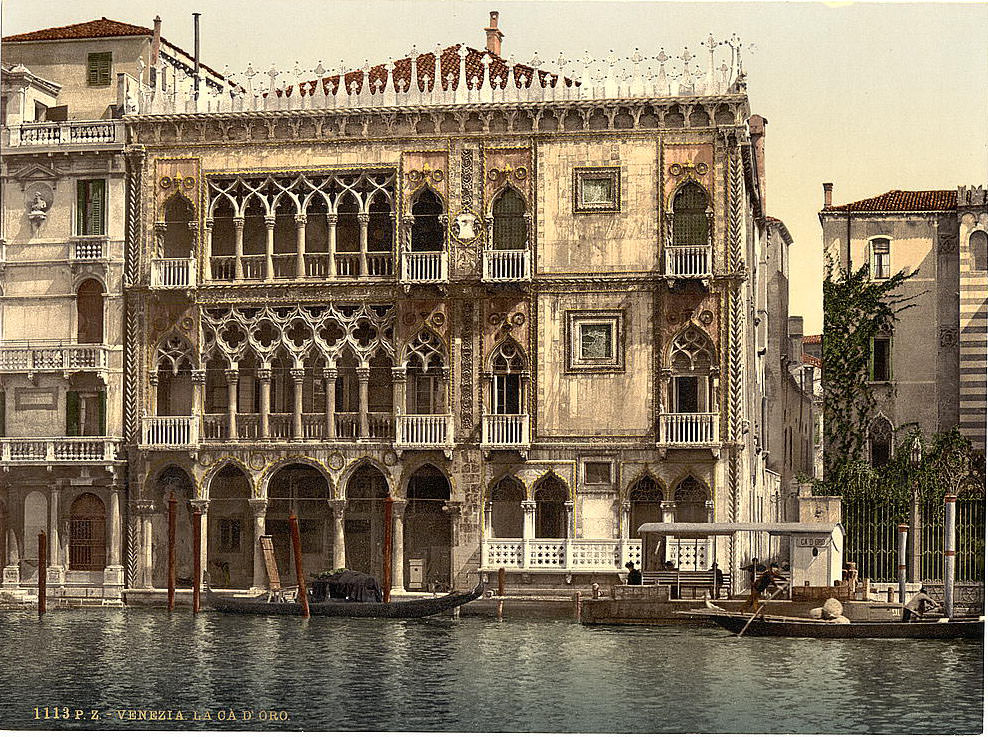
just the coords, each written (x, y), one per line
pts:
(691, 496)
(881, 441)
(425, 360)
(427, 208)
(691, 350)
(689, 204)
(507, 516)
(508, 366)
(264, 482)
(551, 495)
(510, 221)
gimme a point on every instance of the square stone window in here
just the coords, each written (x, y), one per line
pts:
(597, 189)
(597, 473)
(595, 340)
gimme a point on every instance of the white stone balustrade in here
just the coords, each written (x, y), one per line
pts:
(507, 266)
(689, 428)
(58, 450)
(173, 273)
(689, 554)
(69, 133)
(688, 261)
(715, 70)
(430, 267)
(606, 555)
(505, 431)
(34, 357)
(424, 431)
(89, 248)
(170, 431)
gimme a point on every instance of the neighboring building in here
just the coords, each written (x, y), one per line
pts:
(61, 310)
(812, 355)
(931, 370)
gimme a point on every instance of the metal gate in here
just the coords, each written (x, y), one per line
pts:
(970, 540)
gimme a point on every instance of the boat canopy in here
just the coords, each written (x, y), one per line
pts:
(729, 528)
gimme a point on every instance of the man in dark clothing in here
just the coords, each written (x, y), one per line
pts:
(634, 575)
(718, 579)
(915, 608)
(765, 580)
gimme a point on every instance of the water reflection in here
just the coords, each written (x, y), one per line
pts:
(477, 674)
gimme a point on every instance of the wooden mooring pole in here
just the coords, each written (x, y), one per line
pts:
(501, 575)
(577, 605)
(903, 531)
(42, 573)
(196, 558)
(172, 507)
(949, 552)
(303, 595)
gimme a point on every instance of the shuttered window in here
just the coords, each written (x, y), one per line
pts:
(98, 69)
(91, 207)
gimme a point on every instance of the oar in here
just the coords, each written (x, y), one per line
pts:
(758, 611)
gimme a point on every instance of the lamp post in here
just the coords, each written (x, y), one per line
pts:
(916, 548)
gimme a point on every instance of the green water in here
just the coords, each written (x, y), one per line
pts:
(471, 674)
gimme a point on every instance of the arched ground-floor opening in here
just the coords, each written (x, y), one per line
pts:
(427, 540)
(507, 514)
(550, 508)
(87, 533)
(172, 480)
(301, 490)
(364, 523)
(230, 551)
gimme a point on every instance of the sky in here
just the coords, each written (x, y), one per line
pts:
(869, 96)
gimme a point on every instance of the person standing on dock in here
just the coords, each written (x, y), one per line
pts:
(634, 575)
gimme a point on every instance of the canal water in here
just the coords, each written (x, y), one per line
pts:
(118, 669)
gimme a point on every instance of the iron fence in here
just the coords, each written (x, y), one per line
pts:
(970, 540)
(870, 527)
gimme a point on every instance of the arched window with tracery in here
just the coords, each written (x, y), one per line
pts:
(645, 498)
(691, 500)
(427, 228)
(507, 372)
(550, 508)
(510, 223)
(174, 365)
(880, 437)
(691, 358)
(690, 222)
(425, 361)
(180, 219)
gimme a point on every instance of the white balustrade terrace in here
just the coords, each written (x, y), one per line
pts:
(89, 248)
(507, 266)
(59, 450)
(688, 261)
(425, 267)
(560, 554)
(424, 431)
(35, 356)
(689, 554)
(68, 133)
(173, 273)
(505, 431)
(170, 431)
(689, 428)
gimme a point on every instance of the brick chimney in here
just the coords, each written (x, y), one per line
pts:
(494, 36)
(828, 194)
(155, 50)
(756, 128)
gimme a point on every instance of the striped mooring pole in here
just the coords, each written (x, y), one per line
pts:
(949, 552)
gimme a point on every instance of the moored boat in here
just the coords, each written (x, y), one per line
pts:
(778, 626)
(407, 609)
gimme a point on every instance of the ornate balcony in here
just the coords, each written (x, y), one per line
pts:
(689, 429)
(281, 427)
(507, 266)
(424, 432)
(505, 432)
(45, 451)
(425, 267)
(89, 248)
(76, 134)
(535, 554)
(170, 431)
(33, 357)
(688, 262)
(173, 273)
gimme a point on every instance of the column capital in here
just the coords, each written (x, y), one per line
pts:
(208, 222)
(264, 373)
(330, 374)
(200, 505)
(399, 373)
(666, 504)
(301, 219)
(198, 376)
(160, 226)
(338, 506)
(528, 505)
(398, 506)
(625, 506)
(445, 372)
(238, 222)
(363, 373)
(665, 373)
(193, 226)
(569, 505)
(297, 374)
(331, 218)
(363, 217)
(153, 377)
(269, 221)
(258, 507)
(232, 375)
(143, 506)
(453, 509)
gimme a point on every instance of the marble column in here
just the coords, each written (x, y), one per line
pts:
(331, 242)
(298, 379)
(527, 530)
(399, 378)
(207, 247)
(113, 573)
(300, 221)
(12, 571)
(203, 506)
(144, 510)
(198, 394)
(232, 378)
(339, 538)
(570, 519)
(363, 379)
(153, 393)
(329, 376)
(55, 562)
(398, 546)
(668, 511)
(258, 508)
(364, 219)
(264, 382)
(269, 222)
(238, 248)
(624, 526)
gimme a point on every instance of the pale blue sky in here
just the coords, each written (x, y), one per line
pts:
(869, 96)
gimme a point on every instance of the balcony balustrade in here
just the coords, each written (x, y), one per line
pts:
(58, 450)
(428, 267)
(285, 266)
(281, 427)
(38, 356)
(89, 248)
(316, 265)
(507, 266)
(170, 431)
(688, 262)
(173, 273)
(424, 431)
(555, 554)
(505, 431)
(68, 133)
(699, 429)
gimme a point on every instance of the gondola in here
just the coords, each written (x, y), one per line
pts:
(778, 626)
(411, 608)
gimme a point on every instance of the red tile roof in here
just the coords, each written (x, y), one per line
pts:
(901, 200)
(812, 339)
(449, 64)
(102, 28)
(812, 360)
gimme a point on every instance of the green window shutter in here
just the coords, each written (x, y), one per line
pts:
(98, 68)
(871, 360)
(72, 414)
(97, 207)
(102, 413)
(80, 209)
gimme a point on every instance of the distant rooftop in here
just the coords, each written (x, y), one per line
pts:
(902, 200)
(101, 28)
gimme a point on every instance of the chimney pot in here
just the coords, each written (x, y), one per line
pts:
(494, 36)
(828, 194)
